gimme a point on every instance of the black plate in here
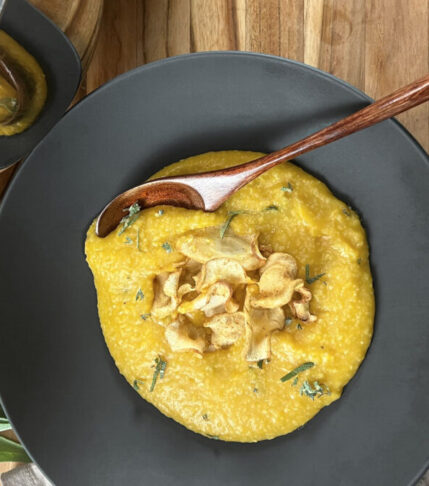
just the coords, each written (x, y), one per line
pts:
(77, 416)
(59, 61)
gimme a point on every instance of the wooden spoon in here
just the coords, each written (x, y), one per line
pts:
(208, 190)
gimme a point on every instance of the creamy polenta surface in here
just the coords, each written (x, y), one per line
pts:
(220, 388)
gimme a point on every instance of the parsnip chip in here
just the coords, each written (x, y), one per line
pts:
(226, 329)
(166, 301)
(205, 244)
(261, 323)
(277, 283)
(182, 335)
(220, 269)
(301, 307)
(216, 299)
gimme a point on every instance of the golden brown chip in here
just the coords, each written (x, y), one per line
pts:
(206, 244)
(216, 299)
(182, 335)
(220, 269)
(261, 323)
(277, 283)
(226, 329)
(301, 307)
(165, 300)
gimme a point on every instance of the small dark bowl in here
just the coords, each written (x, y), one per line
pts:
(60, 62)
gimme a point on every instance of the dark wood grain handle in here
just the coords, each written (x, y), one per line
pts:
(401, 100)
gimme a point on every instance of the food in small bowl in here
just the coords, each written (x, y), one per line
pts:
(23, 88)
(243, 323)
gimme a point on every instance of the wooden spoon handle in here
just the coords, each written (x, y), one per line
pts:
(401, 100)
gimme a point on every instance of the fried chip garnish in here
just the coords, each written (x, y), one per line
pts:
(205, 244)
(225, 289)
(226, 329)
(220, 269)
(277, 283)
(166, 301)
(301, 307)
(216, 299)
(183, 335)
(261, 323)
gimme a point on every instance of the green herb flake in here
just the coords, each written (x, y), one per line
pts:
(10, 104)
(272, 207)
(287, 188)
(359, 261)
(214, 437)
(288, 321)
(137, 383)
(167, 247)
(295, 381)
(299, 327)
(139, 295)
(347, 213)
(145, 316)
(133, 214)
(230, 217)
(138, 240)
(160, 212)
(205, 417)
(260, 364)
(4, 424)
(128, 241)
(314, 390)
(160, 366)
(309, 279)
(297, 370)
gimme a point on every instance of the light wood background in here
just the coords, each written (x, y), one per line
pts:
(376, 45)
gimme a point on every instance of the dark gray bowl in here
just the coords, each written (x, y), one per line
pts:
(77, 416)
(59, 61)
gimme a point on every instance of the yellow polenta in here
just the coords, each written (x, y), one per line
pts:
(221, 394)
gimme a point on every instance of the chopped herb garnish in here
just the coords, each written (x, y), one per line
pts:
(231, 216)
(133, 214)
(139, 295)
(288, 321)
(138, 240)
(214, 437)
(255, 390)
(128, 241)
(315, 390)
(295, 381)
(287, 188)
(167, 247)
(260, 364)
(160, 366)
(299, 327)
(359, 261)
(205, 417)
(272, 207)
(145, 316)
(297, 370)
(136, 384)
(309, 279)
(160, 212)
(347, 213)
(10, 104)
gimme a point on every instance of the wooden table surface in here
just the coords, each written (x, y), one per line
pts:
(376, 45)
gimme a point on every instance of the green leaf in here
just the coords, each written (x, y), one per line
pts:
(309, 279)
(225, 226)
(272, 207)
(295, 381)
(140, 295)
(287, 188)
(297, 370)
(133, 214)
(145, 316)
(12, 451)
(160, 367)
(4, 424)
(314, 390)
(136, 383)
(167, 247)
(9, 103)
